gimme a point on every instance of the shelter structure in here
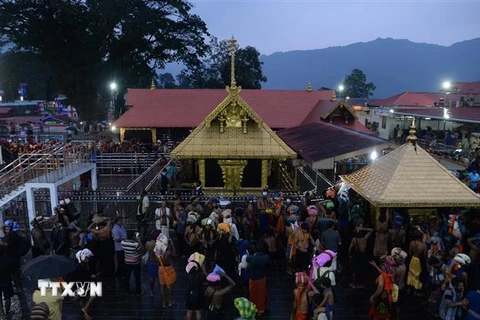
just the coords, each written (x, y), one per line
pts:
(409, 177)
(233, 147)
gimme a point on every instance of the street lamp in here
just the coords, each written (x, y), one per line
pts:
(341, 88)
(374, 155)
(113, 88)
(447, 85)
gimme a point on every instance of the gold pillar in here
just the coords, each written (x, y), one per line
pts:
(154, 135)
(232, 173)
(264, 173)
(122, 134)
(201, 171)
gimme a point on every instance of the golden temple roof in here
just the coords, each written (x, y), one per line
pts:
(233, 130)
(410, 177)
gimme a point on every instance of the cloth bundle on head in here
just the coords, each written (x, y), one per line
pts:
(224, 227)
(323, 258)
(83, 254)
(246, 309)
(161, 245)
(192, 217)
(301, 278)
(331, 193)
(462, 258)
(213, 277)
(312, 211)
(330, 205)
(218, 269)
(195, 260)
(207, 222)
(226, 212)
(16, 226)
(398, 253)
(214, 216)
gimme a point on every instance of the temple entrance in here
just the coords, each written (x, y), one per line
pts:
(252, 174)
(213, 174)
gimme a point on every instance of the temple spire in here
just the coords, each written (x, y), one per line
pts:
(412, 137)
(152, 85)
(309, 86)
(233, 83)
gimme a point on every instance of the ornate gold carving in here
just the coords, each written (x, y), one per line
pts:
(233, 42)
(265, 166)
(232, 173)
(122, 134)
(201, 170)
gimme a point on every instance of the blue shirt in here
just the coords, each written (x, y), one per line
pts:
(180, 226)
(473, 298)
(118, 234)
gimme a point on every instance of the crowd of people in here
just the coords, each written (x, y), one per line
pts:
(227, 252)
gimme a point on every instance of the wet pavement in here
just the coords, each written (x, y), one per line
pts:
(350, 304)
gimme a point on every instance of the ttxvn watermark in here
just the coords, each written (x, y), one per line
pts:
(71, 289)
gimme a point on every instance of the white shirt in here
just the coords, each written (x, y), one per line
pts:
(322, 271)
(158, 212)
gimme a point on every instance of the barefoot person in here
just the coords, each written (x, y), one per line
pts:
(84, 273)
(166, 273)
(215, 294)
(300, 302)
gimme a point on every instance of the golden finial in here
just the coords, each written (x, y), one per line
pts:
(412, 137)
(309, 86)
(233, 42)
(152, 85)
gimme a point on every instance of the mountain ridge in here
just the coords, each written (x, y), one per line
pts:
(394, 65)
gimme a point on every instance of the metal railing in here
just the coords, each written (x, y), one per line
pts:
(156, 177)
(318, 180)
(126, 164)
(285, 179)
(46, 168)
(25, 158)
(149, 175)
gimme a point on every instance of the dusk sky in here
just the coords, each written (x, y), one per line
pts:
(272, 26)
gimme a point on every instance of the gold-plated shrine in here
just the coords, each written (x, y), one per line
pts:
(234, 137)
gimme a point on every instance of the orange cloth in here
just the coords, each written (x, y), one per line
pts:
(301, 315)
(258, 293)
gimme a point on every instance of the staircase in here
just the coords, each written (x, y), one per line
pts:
(284, 177)
(39, 169)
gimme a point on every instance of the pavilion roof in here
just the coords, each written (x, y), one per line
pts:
(410, 177)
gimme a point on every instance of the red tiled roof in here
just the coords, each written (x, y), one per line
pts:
(320, 140)
(467, 87)
(185, 108)
(321, 109)
(411, 99)
(463, 114)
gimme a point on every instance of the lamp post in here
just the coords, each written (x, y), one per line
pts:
(447, 87)
(113, 89)
(341, 88)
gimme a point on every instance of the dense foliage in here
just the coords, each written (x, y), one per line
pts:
(86, 44)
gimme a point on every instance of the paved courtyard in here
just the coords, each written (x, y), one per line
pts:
(351, 304)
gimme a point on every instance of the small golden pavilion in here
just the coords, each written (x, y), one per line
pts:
(233, 147)
(410, 178)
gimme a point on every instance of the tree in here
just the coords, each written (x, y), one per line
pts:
(215, 70)
(27, 67)
(88, 44)
(356, 85)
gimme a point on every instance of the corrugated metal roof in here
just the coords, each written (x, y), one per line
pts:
(320, 140)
